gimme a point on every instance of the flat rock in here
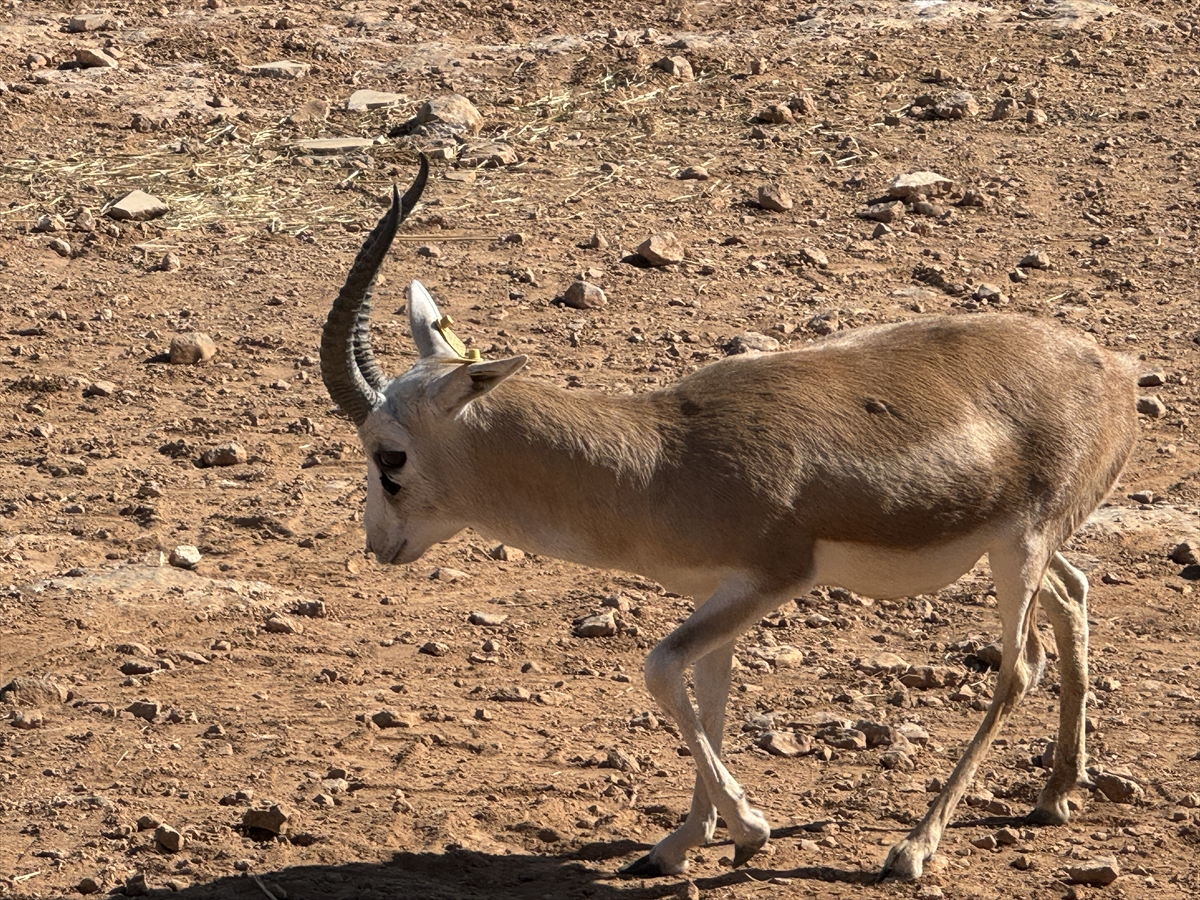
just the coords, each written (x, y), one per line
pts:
(334, 146)
(185, 556)
(774, 198)
(884, 663)
(489, 619)
(449, 575)
(931, 184)
(750, 342)
(453, 112)
(191, 348)
(275, 819)
(602, 624)
(505, 553)
(661, 249)
(1100, 871)
(100, 389)
(434, 648)
(490, 155)
(584, 295)
(138, 667)
(283, 68)
(784, 743)
(694, 173)
(389, 718)
(91, 22)
(138, 206)
(364, 100)
(92, 58)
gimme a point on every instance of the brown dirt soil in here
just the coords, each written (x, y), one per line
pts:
(478, 794)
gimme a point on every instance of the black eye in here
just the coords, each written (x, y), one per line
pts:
(391, 460)
(388, 485)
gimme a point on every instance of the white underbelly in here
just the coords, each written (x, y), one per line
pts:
(885, 573)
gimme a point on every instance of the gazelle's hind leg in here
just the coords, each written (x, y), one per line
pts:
(1064, 597)
(712, 674)
(1017, 571)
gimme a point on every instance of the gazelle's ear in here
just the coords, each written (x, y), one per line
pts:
(470, 381)
(423, 316)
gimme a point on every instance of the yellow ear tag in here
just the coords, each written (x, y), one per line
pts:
(443, 326)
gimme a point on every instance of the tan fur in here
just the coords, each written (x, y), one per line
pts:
(893, 457)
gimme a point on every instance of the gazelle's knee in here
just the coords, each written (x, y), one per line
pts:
(662, 672)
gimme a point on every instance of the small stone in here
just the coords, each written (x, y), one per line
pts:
(91, 22)
(449, 575)
(843, 738)
(191, 348)
(959, 105)
(92, 58)
(452, 112)
(987, 842)
(1007, 837)
(364, 100)
(751, 341)
(433, 648)
(1024, 862)
(596, 242)
(897, 760)
(929, 184)
(1119, 789)
(694, 173)
(490, 619)
(758, 66)
(990, 293)
(185, 556)
(430, 251)
(145, 709)
(169, 263)
(811, 256)
(784, 743)
(601, 624)
(225, 455)
(1005, 108)
(1100, 872)
(676, 66)
(774, 198)
(137, 206)
(661, 249)
(505, 553)
(777, 114)
(100, 389)
(549, 835)
(883, 212)
(281, 624)
(138, 667)
(312, 110)
(1150, 379)
(168, 838)
(389, 718)
(88, 885)
(882, 664)
(1036, 117)
(28, 719)
(583, 295)
(1151, 406)
(61, 247)
(47, 224)
(1035, 259)
(516, 694)
(275, 819)
(284, 68)
(135, 885)
(1186, 553)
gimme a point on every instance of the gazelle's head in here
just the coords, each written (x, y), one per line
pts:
(408, 425)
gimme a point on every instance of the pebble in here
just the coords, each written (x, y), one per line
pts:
(1007, 837)
(138, 667)
(584, 295)
(596, 242)
(185, 556)
(61, 247)
(1036, 117)
(88, 885)
(1100, 872)
(1150, 379)
(784, 743)
(1151, 406)
(621, 761)
(505, 553)
(959, 105)
(28, 719)
(778, 114)
(812, 256)
(449, 575)
(694, 173)
(138, 206)
(191, 348)
(284, 68)
(990, 293)
(389, 718)
(885, 663)
(47, 224)
(91, 58)
(362, 101)
(661, 249)
(1005, 108)
(511, 695)
(145, 709)
(1035, 259)
(897, 760)
(275, 819)
(453, 112)
(91, 22)
(788, 658)
(433, 648)
(232, 454)
(601, 624)
(281, 624)
(843, 738)
(883, 212)
(676, 66)
(774, 198)
(168, 838)
(751, 341)
(910, 186)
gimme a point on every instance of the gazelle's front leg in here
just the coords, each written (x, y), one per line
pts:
(730, 611)
(712, 692)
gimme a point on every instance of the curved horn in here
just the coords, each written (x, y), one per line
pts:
(348, 367)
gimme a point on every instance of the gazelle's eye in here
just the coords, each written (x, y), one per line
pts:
(388, 485)
(391, 460)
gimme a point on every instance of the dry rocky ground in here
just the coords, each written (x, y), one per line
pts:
(441, 730)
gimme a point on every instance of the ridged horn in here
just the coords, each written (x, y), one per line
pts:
(348, 367)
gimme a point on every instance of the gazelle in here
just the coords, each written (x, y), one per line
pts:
(886, 460)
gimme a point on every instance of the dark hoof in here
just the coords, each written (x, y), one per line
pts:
(1039, 817)
(742, 854)
(646, 867)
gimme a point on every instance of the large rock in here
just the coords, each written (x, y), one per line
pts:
(662, 249)
(275, 819)
(453, 112)
(600, 625)
(34, 691)
(138, 206)
(583, 295)
(361, 101)
(1099, 872)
